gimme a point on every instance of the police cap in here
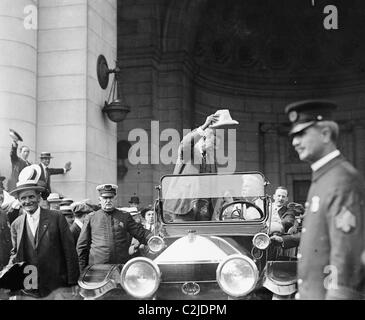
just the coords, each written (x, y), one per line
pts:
(107, 189)
(303, 114)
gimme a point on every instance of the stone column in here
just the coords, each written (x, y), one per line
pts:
(270, 157)
(70, 123)
(18, 76)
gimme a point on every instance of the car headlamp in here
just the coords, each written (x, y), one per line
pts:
(156, 244)
(140, 277)
(261, 241)
(237, 275)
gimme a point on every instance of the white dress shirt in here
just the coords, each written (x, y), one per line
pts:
(33, 221)
(324, 160)
(275, 214)
(78, 222)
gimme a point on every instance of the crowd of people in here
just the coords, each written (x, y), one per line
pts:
(57, 235)
(62, 237)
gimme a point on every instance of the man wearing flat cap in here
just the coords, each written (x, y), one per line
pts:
(46, 172)
(80, 210)
(104, 237)
(41, 238)
(332, 246)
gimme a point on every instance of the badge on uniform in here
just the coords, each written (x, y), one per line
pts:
(345, 220)
(315, 204)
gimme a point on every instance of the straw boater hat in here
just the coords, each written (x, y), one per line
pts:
(66, 202)
(131, 210)
(15, 135)
(66, 210)
(45, 155)
(28, 180)
(54, 197)
(224, 120)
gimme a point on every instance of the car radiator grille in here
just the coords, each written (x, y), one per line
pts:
(188, 272)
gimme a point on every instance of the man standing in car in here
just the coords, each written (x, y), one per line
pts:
(331, 251)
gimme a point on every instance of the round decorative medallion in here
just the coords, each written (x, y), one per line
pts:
(293, 116)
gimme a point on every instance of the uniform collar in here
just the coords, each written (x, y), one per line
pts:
(324, 160)
(326, 167)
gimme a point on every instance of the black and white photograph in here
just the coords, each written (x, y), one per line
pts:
(206, 152)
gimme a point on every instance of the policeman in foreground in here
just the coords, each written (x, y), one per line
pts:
(104, 235)
(332, 249)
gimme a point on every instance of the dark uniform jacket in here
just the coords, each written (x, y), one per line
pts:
(5, 239)
(104, 237)
(75, 230)
(17, 165)
(56, 255)
(332, 242)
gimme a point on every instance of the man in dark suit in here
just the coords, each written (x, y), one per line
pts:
(104, 237)
(80, 210)
(18, 163)
(332, 245)
(5, 240)
(41, 238)
(46, 172)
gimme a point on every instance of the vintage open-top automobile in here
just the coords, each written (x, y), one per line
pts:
(212, 242)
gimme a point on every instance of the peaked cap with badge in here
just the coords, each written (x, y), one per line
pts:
(107, 189)
(304, 114)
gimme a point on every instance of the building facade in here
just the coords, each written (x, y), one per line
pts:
(49, 91)
(180, 61)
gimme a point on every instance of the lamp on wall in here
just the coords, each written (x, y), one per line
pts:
(115, 107)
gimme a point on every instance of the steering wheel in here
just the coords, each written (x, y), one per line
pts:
(237, 211)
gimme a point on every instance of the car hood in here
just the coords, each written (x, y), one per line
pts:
(194, 258)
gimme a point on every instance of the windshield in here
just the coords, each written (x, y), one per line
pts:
(213, 197)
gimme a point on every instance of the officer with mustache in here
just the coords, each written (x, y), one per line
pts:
(332, 246)
(104, 237)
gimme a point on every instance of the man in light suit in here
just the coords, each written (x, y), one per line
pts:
(41, 238)
(46, 172)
